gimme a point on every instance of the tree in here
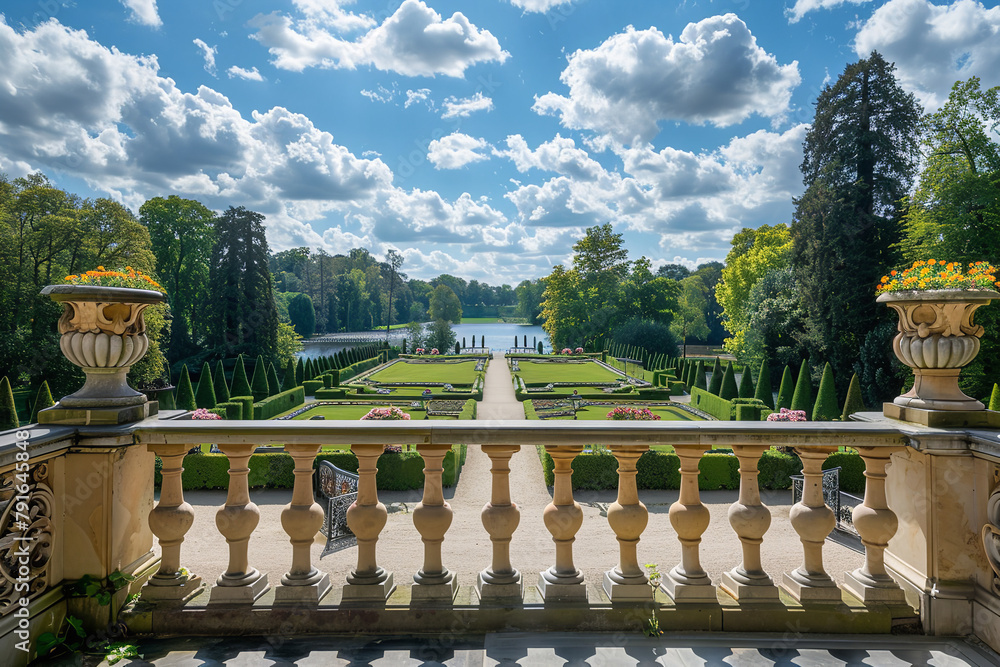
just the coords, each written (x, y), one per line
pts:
(244, 317)
(859, 158)
(692, 304)
(395, 260)
(302, 314)
(444, 305)
(529, 300)
(181, 233)
(776, 319)
(440, 335)
(204, 396)
(826, 408)
(754, 254)
(415, 335)
(676, 272)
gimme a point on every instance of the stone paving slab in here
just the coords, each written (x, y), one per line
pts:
(560, 649)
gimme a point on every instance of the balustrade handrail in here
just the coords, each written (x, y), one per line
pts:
(487, 432)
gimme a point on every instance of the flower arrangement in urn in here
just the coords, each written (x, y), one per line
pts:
(936, 301)
(103, 331)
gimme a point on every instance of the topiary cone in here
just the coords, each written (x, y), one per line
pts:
(289, 376)
(826, 408)
(241, 386)
(185, 393)
(258, 385)
(728, 391)
(221, 387)
(8, 411)
(995, 398)
(699, 375)
(715, 384)
(746, 383)
(785, 390)
(43, 399)
(204, 397)
(802, 398)
(300, 372)
(272, 380)
(854, 402)
(763, 391)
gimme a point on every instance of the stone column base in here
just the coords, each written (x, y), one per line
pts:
(553, 592)
(434, 593)
(617, 592)
(245, 594)
(746, 593)
(488, 592)
(58, 414)
(310, 594)
(174, 593)
(823, 592)
(939, 418)
(685, 593)
(868, 593)
(376, 591)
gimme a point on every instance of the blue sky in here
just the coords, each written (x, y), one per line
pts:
(480, 139)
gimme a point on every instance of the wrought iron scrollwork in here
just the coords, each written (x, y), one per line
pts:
(26, 535)
(336, 491)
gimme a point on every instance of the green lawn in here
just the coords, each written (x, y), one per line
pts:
(600, 412)
(543, 372)
(461, 372)
(354, 412)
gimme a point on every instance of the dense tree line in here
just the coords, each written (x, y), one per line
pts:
(806, 291)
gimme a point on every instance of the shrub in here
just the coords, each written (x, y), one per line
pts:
(258, 385)
(282, 402)
(746, 385)
(746, 409)
(204, 397)
(826, 408)
(222, 412)
(241, 386)
(43, 399)
(246, 405)
(802, 398)
(469, 410)
(785, 390)
(272, 380)
(300, 371)
(763, 391)
(166, 399)
(852, 470)
(729, 390)
(718, 471)
(233, 409)
(185, 393)
(289, 376)
(715, 384)
(776, 469)
(719, 408)
(336, 392)
(312, 386)
(995, 397)
(221, 388)
(699, 376)
(8, 411)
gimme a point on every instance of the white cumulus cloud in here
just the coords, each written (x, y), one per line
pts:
(237, 72)
(144, 12)
(934, 45)
(208, 54)
(414, 41)
(456, 150)
(462, 108)
(803, 7)
(538, 6)
(715, 73)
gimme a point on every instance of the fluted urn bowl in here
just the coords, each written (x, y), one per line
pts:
(103, 332)
(937, 338)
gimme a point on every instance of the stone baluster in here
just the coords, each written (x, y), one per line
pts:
(876, 524)
(627, 517)
(431, 518)
(237, 520)
(750, 518)
(170, 521)
(563, 518)
(302, 519)
(500, 518)
(813, 521)
(687, 581)
(366, 518)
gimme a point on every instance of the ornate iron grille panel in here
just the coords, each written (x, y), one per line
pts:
(831, 491)
(336, 490)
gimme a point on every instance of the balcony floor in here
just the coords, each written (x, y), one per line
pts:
(558, 649)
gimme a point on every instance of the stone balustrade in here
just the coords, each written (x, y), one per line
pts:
(686, 582)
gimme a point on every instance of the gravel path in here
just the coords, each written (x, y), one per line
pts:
(467, 549)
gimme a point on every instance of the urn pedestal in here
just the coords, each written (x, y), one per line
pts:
(103, 332)
(937, 338)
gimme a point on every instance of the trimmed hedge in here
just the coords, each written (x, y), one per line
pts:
(358, 368)
(852, 470)
(470, 410)
(397, 471)
(312, 386)
(230, 409)
(656, 470)
(747, 409)
(330, 393)
(776, 469)
(275, 405)
(247, 405)
(705, 401)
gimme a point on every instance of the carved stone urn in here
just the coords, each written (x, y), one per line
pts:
(103, 332)
(937, 338)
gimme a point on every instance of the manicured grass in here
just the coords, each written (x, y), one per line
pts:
(600, 412)
(543, 372)
(461, 372)
(480, 320)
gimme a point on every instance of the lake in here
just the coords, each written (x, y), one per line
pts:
(498, 337)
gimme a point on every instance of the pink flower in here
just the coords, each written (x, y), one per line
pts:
(622, 413)
(202, 413)
(786, 415)
(579, 350)
(391, 413)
